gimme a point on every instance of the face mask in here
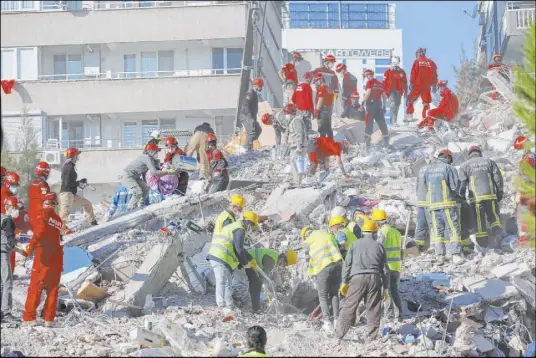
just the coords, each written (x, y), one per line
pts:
(288, 117)
(14, 213)
(13, 189)
(154, 155)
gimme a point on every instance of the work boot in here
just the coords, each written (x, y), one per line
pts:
(327, 327)
(29, 323)
(441, 260)
(9, 317)
(49, 324)
(94, 223)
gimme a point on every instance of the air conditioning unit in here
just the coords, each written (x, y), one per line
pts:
(53, 157)
(91, 71)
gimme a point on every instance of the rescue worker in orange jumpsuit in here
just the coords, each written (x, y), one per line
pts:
(3, 173)
(524, 203)
(47, 264)
(498, 65)
(173, 156)
(349, 85)
(396, 86)
(330, 78)
(423, 79)
(9, 188)
(38, 189)
(376, 102)
(324, 106)
(321, 148)
(354, 110)
(220, 176)
(289, 76)
(448, 107)
(303, 99)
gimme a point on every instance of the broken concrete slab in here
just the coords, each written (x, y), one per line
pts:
(493, 314)
(465, 300)
(482, 343)
(490, 290)
(527, 288)
(510, 270)
(91, 292)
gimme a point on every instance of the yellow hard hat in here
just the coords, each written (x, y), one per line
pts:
(336, 220)
(238, 200)
(359, 215)
(292, 257)
(379, 215)
(251, 216)
(304, 231)
(369, 226)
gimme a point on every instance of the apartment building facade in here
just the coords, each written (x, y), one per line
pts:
(360, 35)
(502, 28)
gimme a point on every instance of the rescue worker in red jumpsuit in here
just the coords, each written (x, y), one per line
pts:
(396, 86)
(448, 107)
(47, 264)
(502, 68)
(324, 106)
(289, 76)
(218, 163)
(3, 173)
(349, 85)
(524, 203)
(173, 156)
(423, 79)
(303, 99)
(354, 110)
(375, 102)
(9, 188)
(321, 148)
(330, 78)
(38, 189)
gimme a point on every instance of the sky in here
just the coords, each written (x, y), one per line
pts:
(439, 26)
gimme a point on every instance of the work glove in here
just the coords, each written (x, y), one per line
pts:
(385, 295)
(344, 289)
(315, 115)
(252, 265)
(170, 171)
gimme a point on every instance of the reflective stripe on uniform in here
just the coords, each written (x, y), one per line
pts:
(222, 246)
(322, 252)
(392, 245)
(224, 215)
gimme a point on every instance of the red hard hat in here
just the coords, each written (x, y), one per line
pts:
(3, 171)
(71, 153)
(266, 119)
(296, 55)
(329, 58)
(340, 67)
(520, 142)
(367, 72)
(354, 94)
(12, 178)
(258, 82)
(152, 147)
(290, 108)
(211, 137)
(475, 148)
(445, 152)
(307, 76)
(171, 141)
(442, 83)
(51, 196)
(420, 50)
(42, 169)
(11, 200)
(495, 55)
(318, 76)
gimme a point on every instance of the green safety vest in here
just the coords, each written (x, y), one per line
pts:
(221, 218)
(258, 255)
(323, 251)
(222, 246)
(350, 237)
(253, 354)
(392, 244)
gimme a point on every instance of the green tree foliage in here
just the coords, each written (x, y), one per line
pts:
(524, 108)
(23, 154)
(469, 76)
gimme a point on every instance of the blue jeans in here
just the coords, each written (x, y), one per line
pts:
(224, 281)
(422, 232)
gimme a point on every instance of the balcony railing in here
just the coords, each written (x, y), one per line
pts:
(516, 21)
(137, 75)
(38, 6)
(524, 18)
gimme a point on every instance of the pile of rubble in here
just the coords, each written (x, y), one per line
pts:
(139, 285)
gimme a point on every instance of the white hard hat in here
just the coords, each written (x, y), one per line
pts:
(395, 61)
(338, 211)
(155, 133)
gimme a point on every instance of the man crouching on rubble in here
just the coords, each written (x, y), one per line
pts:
(227, 253)
(321, 148)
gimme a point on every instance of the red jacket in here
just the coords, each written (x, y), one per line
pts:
(328, 74)
(324, 147)
(303, 97)
(289, 73)
(395, 80)
(349, 85)
(46, 240)
(449, 103)
(499, 65)
(23, 222)
(36, 194)
(423, 72)
(377, 89)
(4, 194)
(325, 92)
(169, 156)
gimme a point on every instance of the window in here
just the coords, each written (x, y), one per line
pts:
(9, 63)
(381, 70)
(383, 62)
(226, 60)
(130, 130)
(379, 77)
(165, 63)
(74, 5)
(364, 62)
(168, 123)
(19, 63)
(52, 5)
(60, 67)
(147, 3)
(129, 66)
(148, 64)
(147, 126)
(68, 67)
(19, 5)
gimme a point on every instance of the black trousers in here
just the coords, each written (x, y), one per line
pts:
(375, 113)
(255, 285)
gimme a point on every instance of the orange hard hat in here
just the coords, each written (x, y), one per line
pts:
(266, 119)
(329, 58)
(340, 67)
(318, 77)
(152, 147)
(12, 178)
(354, 94)
(368, 72)
(3, 171)
(497, 55)
(290, 108)
(297, 56)
(42, 169)
(520, 142)
(11, 200)
(211, 137)
(258, 82)
(171, 141)
(307, 76)
(442, 83)
(71, 153)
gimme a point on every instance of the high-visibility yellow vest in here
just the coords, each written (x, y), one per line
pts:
(350, 237)
(221, 218)
(258, 255)
(254, 354)
(392, 244)
(322, 252)
(222, 246)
